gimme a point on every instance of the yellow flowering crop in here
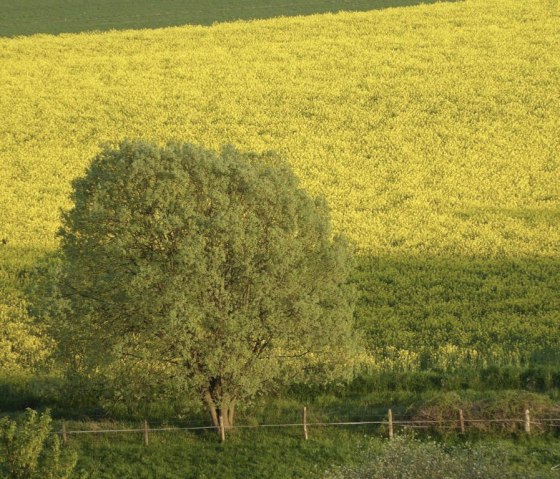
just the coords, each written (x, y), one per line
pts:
(432, 130)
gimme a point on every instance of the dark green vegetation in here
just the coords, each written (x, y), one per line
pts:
(284, 454)
(409, 458)
(451, 313)
(26, 17)
(502, 392)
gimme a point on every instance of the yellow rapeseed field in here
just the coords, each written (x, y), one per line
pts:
(431, 130)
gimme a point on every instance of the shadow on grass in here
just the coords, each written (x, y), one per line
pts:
(497, 318)
(455, 312)
(28, 17)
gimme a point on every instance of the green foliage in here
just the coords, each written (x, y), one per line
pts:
(29, 449)
(454, 313)
(410, 458)
(283, 454)
(506, 407)
(212, 274)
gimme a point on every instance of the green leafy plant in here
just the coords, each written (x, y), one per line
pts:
(406, 457)
(29, 449)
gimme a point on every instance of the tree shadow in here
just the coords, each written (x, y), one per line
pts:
(417, 313)
(28, 17)
(449, 313)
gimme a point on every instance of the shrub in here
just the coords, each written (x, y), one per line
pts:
(409, 458)
(29, 450)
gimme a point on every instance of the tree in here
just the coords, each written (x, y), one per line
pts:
(216, 270)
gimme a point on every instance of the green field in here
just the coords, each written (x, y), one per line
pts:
(27, 17)
(268, 455)
(283, 453)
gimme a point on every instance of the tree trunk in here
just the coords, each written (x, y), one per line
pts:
(227, 413)
(212, 408)
(227, 410)
(230, 412)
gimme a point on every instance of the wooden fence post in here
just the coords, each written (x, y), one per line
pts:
(527, 421)
(305, 423)
(64, 434)
(390, 417)
(222, 430)
(146, 438)
(462, 421)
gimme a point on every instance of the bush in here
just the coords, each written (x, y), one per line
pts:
(29, 450)
(507, 406)
(410, 458)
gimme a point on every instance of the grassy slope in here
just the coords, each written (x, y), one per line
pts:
(252, 455)
(26, 17)
(258, 454)
(432, 130)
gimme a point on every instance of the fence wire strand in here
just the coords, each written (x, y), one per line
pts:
(416, 424)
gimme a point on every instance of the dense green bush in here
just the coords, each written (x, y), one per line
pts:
(409, 458)
(29, 450)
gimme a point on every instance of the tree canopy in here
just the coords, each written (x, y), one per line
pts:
(216, 270)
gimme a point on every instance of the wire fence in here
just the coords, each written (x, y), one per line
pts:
(388, 424)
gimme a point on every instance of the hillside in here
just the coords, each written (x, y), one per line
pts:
(433, 131)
